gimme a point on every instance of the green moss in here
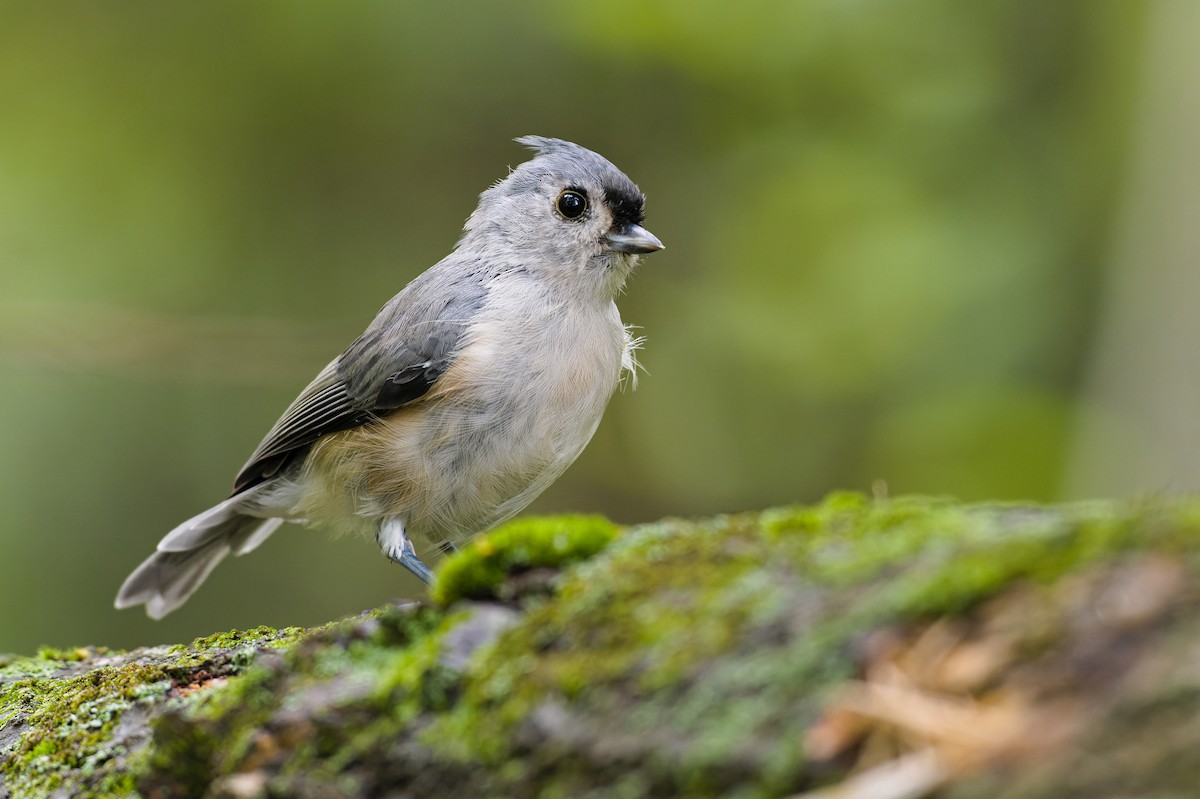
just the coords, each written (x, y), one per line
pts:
(387, 664)
(68, 655)
(259, 636)
(72, 705)
(70, 722)
(652, 634)
(679, 658)
(24, 668)
(479, 570)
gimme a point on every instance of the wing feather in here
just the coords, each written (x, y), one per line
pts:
(325, 406)
(402, 354)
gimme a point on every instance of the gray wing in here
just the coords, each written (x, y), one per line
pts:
(397, 360)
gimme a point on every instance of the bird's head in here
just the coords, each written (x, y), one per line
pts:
(566, 212)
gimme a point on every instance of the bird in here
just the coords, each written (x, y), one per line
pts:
(469, 393)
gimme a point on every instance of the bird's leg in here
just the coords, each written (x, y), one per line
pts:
(399, 549)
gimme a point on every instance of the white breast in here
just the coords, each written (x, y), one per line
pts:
(516, 408)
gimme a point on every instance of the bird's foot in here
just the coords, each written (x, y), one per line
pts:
(406, 556)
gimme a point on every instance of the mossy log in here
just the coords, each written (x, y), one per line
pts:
(863, 647)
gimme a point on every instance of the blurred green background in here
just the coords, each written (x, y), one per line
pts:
(897, 239)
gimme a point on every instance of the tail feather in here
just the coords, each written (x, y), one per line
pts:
(188, 554)
(165, 580)
(204, 527)
(250, 537)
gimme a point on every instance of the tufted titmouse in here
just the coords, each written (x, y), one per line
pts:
(470, 392)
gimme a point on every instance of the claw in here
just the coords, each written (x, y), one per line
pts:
(409, 560)
(404, 554)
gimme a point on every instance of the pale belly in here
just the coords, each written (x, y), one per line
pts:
(500, 426)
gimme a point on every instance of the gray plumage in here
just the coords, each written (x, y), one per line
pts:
(469, 393)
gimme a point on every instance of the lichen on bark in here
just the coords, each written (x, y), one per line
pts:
(916, 643)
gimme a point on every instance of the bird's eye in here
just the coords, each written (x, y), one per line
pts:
(571, 204)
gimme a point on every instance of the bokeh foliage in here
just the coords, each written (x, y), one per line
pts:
(886, 226)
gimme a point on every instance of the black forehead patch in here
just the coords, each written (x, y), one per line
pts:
(627, 207)
(562, 164)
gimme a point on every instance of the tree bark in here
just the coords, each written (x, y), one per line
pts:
(857, 648)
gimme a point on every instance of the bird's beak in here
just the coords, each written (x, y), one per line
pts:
(632, 239)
